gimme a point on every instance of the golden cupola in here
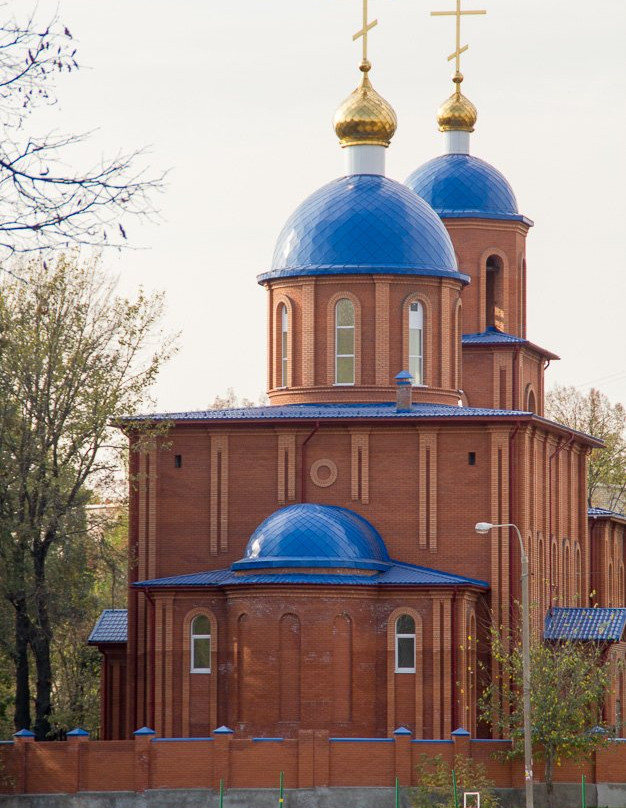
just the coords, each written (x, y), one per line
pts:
(365, 118)
(457, 113)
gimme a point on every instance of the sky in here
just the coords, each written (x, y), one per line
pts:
(235, 99)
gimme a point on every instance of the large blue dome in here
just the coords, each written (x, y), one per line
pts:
(463, 186)
(363, 224)
(309, 535)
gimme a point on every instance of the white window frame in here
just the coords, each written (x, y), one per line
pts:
(195, 637)
(345, 356)
(403, 636)
(284, 349)
(416, 323)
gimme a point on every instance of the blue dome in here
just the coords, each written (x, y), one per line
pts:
(462, 186)
(363, 224)
(309, 535)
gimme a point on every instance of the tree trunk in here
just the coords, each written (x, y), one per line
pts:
(21, 716)
(40, 644)
(550, 781)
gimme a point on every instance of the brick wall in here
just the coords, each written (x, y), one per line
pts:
(313, 759)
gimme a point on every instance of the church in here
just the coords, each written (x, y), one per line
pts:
(313, 563)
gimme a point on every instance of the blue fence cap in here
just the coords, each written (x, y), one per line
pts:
(78, 732)
(402, 731)
(223, 730)
(24, 733)
(460, 733)
(144, 731)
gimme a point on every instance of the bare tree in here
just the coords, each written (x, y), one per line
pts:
(43, 204)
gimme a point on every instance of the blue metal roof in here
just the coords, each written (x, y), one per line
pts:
(585, 624)
(111, 626)
(398, 574)
(312, 535)
(605, 513)
(463, 186)
(491, 336)
(363, 224)
(317, 412)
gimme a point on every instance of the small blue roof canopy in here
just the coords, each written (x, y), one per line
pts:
(585, 624)
(111, 627)
(363, 224)
(464, 186)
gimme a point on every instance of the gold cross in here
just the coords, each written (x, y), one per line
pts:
(458, 14)
(367, 26)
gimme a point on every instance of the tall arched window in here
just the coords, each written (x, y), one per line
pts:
(416, 342)
(493, 292)
(200, 644)
(405, 644)
(579, 577)
(567, 578)
(284, 328)
(344, 342)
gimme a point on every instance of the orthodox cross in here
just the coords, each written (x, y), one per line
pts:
(458, 13)
(367, 27)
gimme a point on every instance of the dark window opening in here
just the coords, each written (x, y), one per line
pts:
(471, 458)
(178, 461)
(493, 293)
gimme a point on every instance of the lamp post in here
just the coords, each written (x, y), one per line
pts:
(483, 528)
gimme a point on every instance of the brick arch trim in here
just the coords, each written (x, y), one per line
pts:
(427, 331)
(391, 674)
(330, 336)
(287, 302)
(186, 670)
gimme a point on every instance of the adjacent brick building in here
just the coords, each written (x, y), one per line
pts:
(313, 564)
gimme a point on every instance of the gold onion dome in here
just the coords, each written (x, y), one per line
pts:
(365, 118)
(457, 113)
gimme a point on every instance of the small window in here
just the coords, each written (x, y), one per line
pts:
(284, 329)
(178, 461)
(201, 645)
(416, 344)
(471, 458)
(405, 644)
(344, 342)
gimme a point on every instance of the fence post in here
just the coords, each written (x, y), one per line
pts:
(75, 739)
(143, 738)
(222, 737)
(23, 737)
(402, 738)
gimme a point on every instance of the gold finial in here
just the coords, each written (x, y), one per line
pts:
(367, 27)
(365, 118)
(458, 13)
(457, 112)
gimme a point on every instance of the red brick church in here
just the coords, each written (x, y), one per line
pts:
(313, 563)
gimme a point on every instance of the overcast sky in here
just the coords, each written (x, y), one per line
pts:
(237, 99)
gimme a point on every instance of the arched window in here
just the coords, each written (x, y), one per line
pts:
(416, 342)
(201, 645)
(284, 327)
(610, 586)
(493, 291)
(579, 577)
(405, 644)
(344, 342)
(567, 578)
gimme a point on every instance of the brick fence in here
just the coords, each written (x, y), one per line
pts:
(311, 760)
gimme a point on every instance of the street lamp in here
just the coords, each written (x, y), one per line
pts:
(483, 528)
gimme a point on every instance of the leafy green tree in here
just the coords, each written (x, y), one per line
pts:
(568, 687)
(594, 414)
(73, 356)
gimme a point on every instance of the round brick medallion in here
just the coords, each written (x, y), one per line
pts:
(323, 473)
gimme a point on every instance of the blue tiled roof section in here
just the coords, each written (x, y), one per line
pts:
(316, 412)
(491, 336)
(397, 574)
(111, 626)
(461, 185)
(605, 513)
(311, 535)
(585, 624)
(363, 224)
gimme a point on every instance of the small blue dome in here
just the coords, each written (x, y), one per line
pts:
(463, 186)
(363, 224)
(309, 535)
